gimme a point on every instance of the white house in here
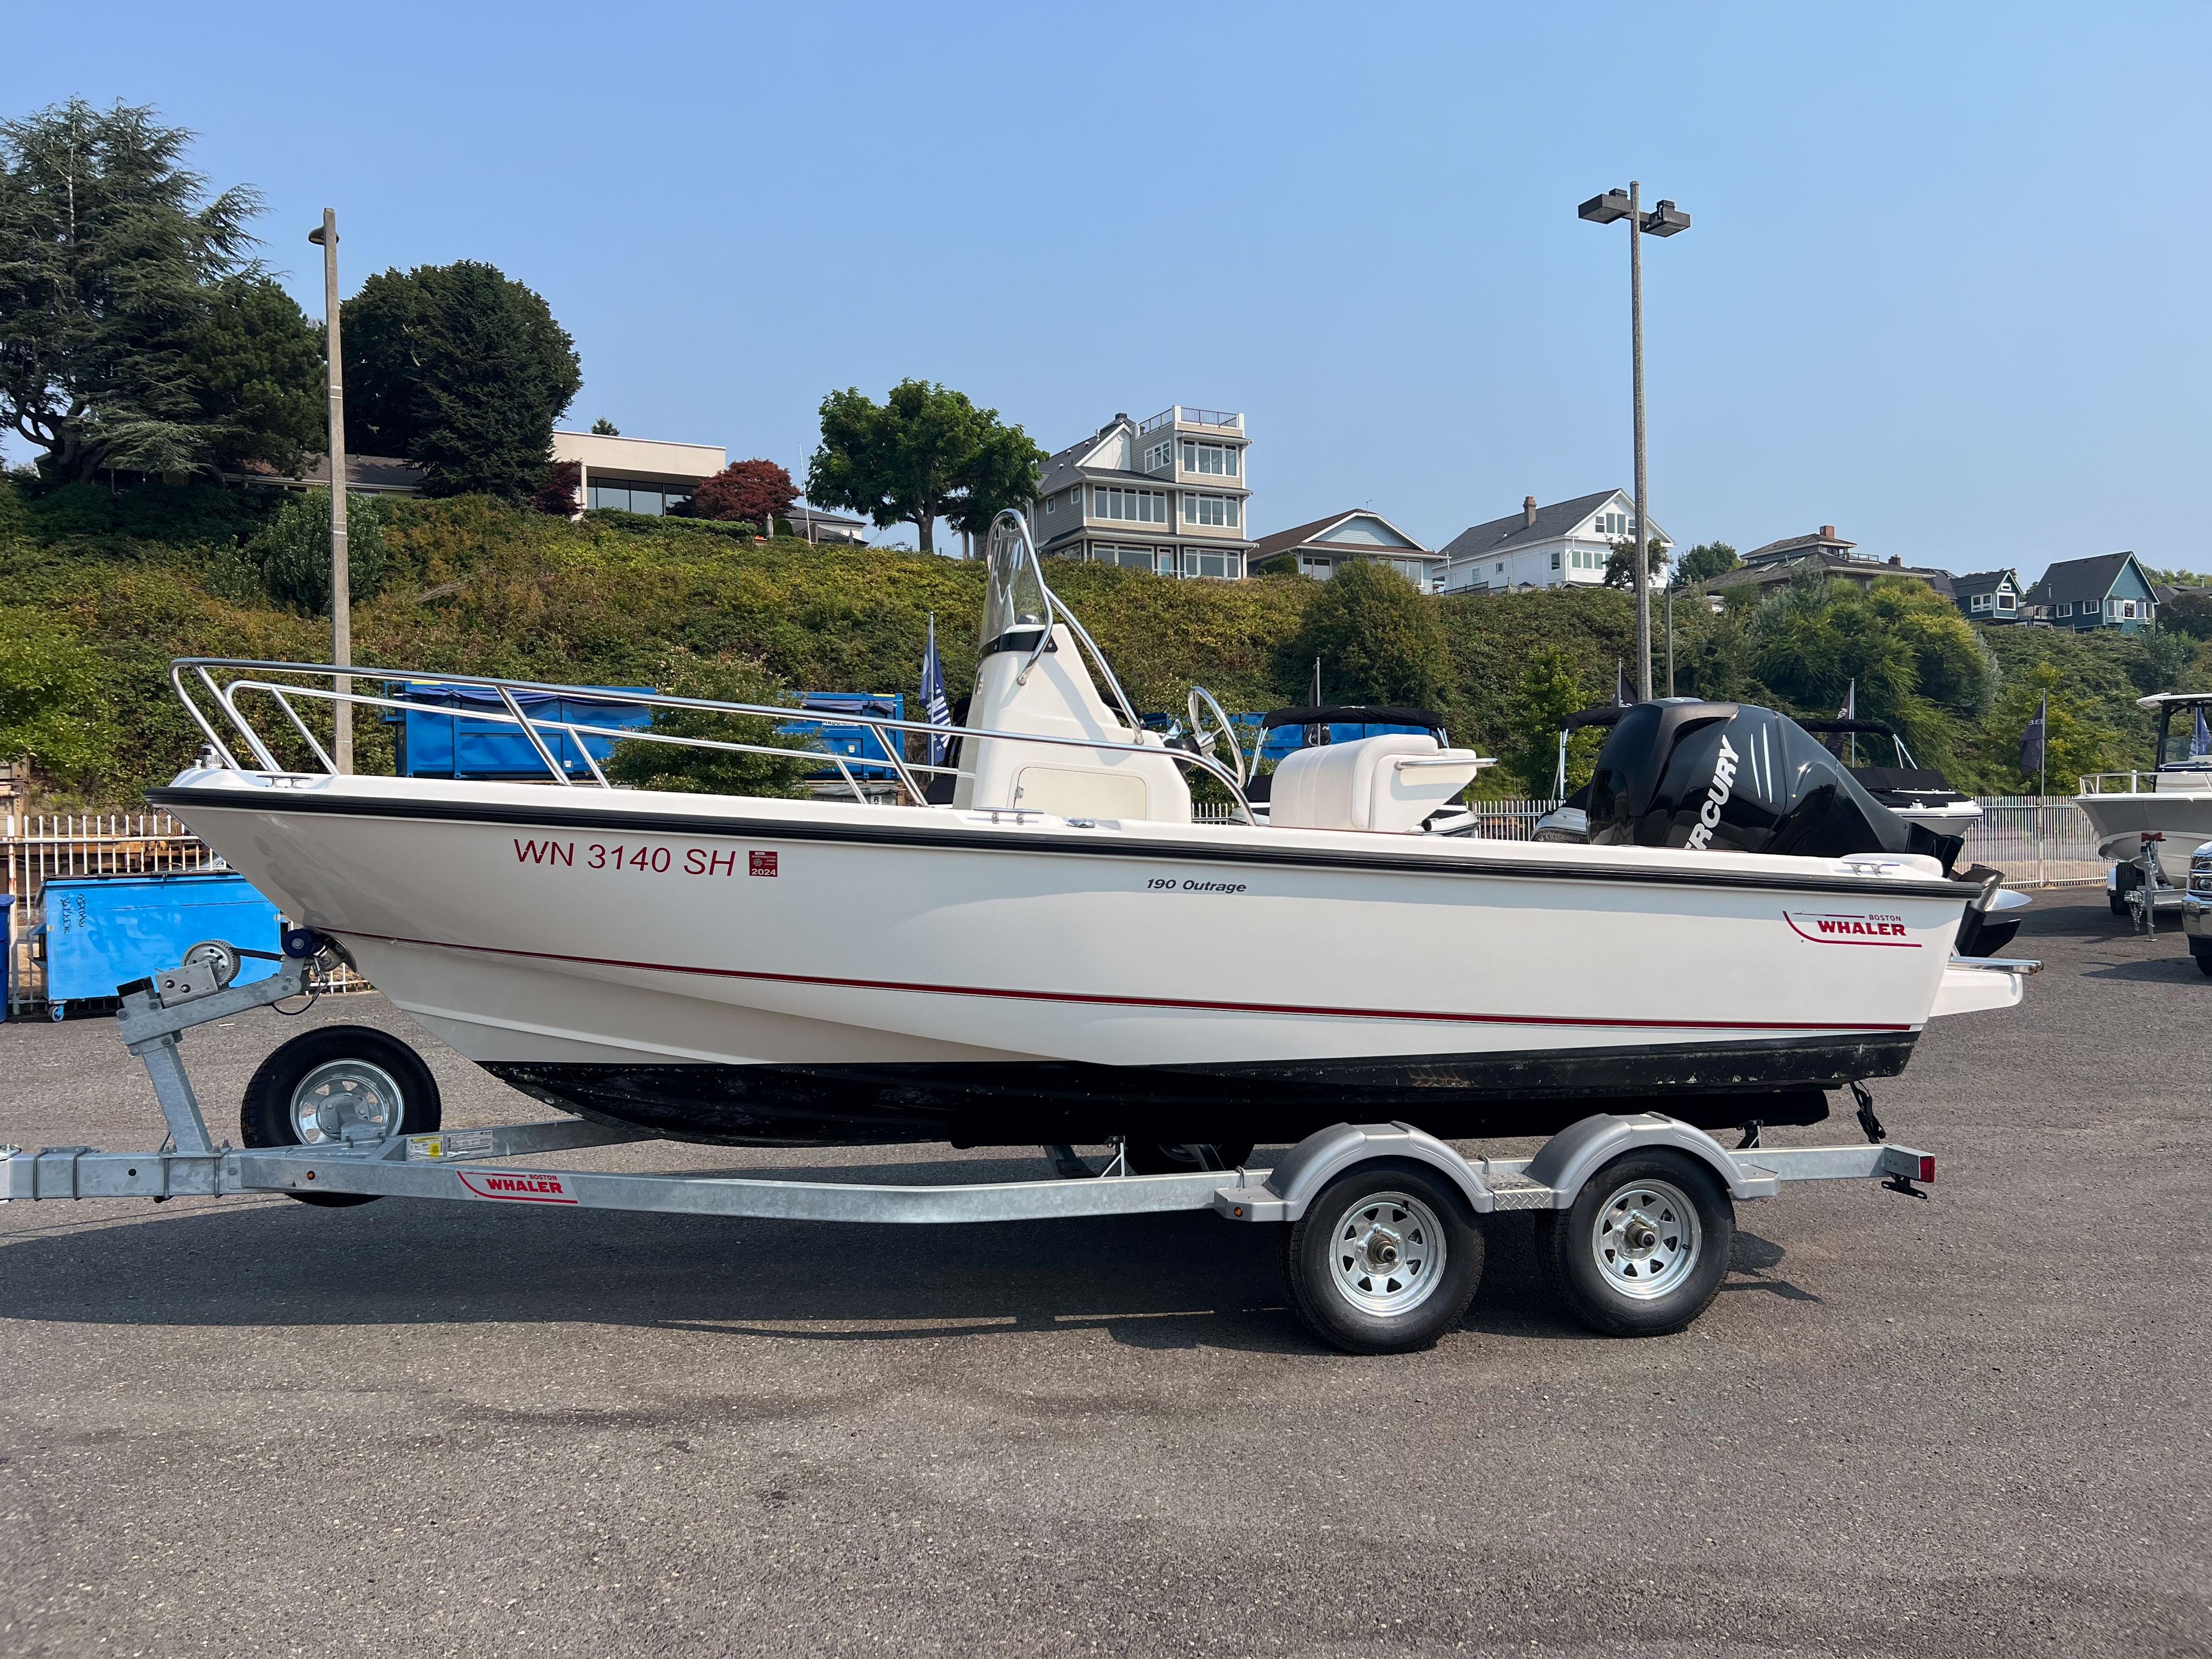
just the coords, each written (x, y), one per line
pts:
(1563, 545)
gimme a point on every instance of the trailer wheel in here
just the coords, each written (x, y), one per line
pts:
(1386, 1259)
(1643, 1249)
(2126, 878)
(323, 1083)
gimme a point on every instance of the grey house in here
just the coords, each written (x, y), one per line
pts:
(2110, 591)
(1990, 596)
(1166, 494)
(1820, 552)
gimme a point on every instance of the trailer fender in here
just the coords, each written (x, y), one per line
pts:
(1579, 1151)
(1310, 1165)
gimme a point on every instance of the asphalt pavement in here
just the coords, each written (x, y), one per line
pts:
(1974, 1425)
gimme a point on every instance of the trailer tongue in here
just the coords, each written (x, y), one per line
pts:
(1382, 1250)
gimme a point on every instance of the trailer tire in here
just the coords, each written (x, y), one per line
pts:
(1386, 1258)
(1643, 1249)
(2126, 878)
(350, 1070)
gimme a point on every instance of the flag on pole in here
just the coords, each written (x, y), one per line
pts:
(1313, 698)
(1622, 699)
(1850, 711)
(2200, 741)
(934, 709)
(2032, 755)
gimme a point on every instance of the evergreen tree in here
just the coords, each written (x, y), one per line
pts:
(115, 266)
(255, 363)
(462, 371)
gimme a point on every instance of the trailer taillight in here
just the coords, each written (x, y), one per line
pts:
(1927, 1168)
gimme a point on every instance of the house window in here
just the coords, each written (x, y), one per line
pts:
(1981, 601)
(1218, 461)
(1613, 524)
(2127, 609)
(2067, 609)
(1129, 506)
(632, 497)
(1160, 456)
(1210, 509)
(1314, 567)
(1051, 504)
(1555, 561)
(2005, 601)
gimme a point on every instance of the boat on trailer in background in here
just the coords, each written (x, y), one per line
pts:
(2151, 822)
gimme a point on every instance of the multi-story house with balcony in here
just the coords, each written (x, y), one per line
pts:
(1167, 495)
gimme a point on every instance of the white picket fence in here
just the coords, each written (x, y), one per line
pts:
(36, 848)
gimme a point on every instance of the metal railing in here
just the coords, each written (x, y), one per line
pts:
(36, 848)
(242, 675)
(1229, 420)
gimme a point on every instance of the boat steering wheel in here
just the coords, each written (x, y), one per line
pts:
(1207, 738)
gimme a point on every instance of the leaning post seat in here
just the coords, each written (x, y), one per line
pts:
(1368, 784)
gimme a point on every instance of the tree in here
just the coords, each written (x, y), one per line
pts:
(604, 427)
(925, 453)
(1547, 694)
(1378, 640)
(1705, 561)
(51, 709)
(462, 371)
(113, 259)
(1619, 564)
(255, 364)
(713, 771)
(758, 492)
(557, 494)
(291, 555)
(2188, 612)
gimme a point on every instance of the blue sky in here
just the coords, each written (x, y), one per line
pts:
(1946, 288)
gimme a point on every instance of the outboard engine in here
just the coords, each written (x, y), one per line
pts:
(1679, 772)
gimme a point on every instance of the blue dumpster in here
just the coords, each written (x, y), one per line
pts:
(7, 952)
(442, 741)
(106, 930)
(855, 742)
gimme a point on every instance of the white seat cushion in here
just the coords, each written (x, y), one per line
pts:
(1363, 784)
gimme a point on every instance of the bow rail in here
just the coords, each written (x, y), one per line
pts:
(223, 682)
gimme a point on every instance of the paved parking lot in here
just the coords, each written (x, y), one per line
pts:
(1976, 1425)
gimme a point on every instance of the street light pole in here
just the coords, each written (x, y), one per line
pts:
(1664, 220)
(326, 235)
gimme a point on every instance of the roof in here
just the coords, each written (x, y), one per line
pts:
(2078, 578)
(1982, 581)
(1282, 541)
(370, 474)
(1788, 544)
(1775, 571)
(1504, 535)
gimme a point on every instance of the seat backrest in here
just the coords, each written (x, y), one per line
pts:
(1363, 784)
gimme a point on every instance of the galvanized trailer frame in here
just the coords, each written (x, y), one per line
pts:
(462, 1164)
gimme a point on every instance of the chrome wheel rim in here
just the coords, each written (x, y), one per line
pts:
(1646, 1239)
(344, 1099)
(1388, 1254)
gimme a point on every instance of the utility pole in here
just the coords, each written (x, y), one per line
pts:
(1664, 220)
(1642, 509)
(326, 236)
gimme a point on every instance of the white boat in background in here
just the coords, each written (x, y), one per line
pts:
(2172, 802)
(1062, 955)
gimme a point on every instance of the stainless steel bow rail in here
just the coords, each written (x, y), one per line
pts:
(223, 680)
(463, 1164)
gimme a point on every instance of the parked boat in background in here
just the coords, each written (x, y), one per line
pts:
(2171, 804)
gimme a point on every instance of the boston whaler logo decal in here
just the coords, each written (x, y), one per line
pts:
(1849, 928)
(1709, 814)
(526, 1187)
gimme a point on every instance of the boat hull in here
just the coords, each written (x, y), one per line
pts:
(784, 971)
(2184, 817)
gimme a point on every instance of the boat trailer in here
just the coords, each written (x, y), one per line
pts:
(1382, 1252)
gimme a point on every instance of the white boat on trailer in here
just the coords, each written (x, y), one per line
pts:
(1060, 956)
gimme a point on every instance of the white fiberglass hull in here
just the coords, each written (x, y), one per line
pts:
(2182, 817)
(803, 970)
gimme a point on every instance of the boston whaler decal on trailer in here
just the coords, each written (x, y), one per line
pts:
(530, 1189)
(1709, 815)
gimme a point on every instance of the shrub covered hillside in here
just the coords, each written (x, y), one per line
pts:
(99, 591)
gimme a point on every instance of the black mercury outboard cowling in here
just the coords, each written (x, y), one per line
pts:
(1682, 773)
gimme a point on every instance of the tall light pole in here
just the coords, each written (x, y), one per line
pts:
(326, 235)
(1664, 220)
